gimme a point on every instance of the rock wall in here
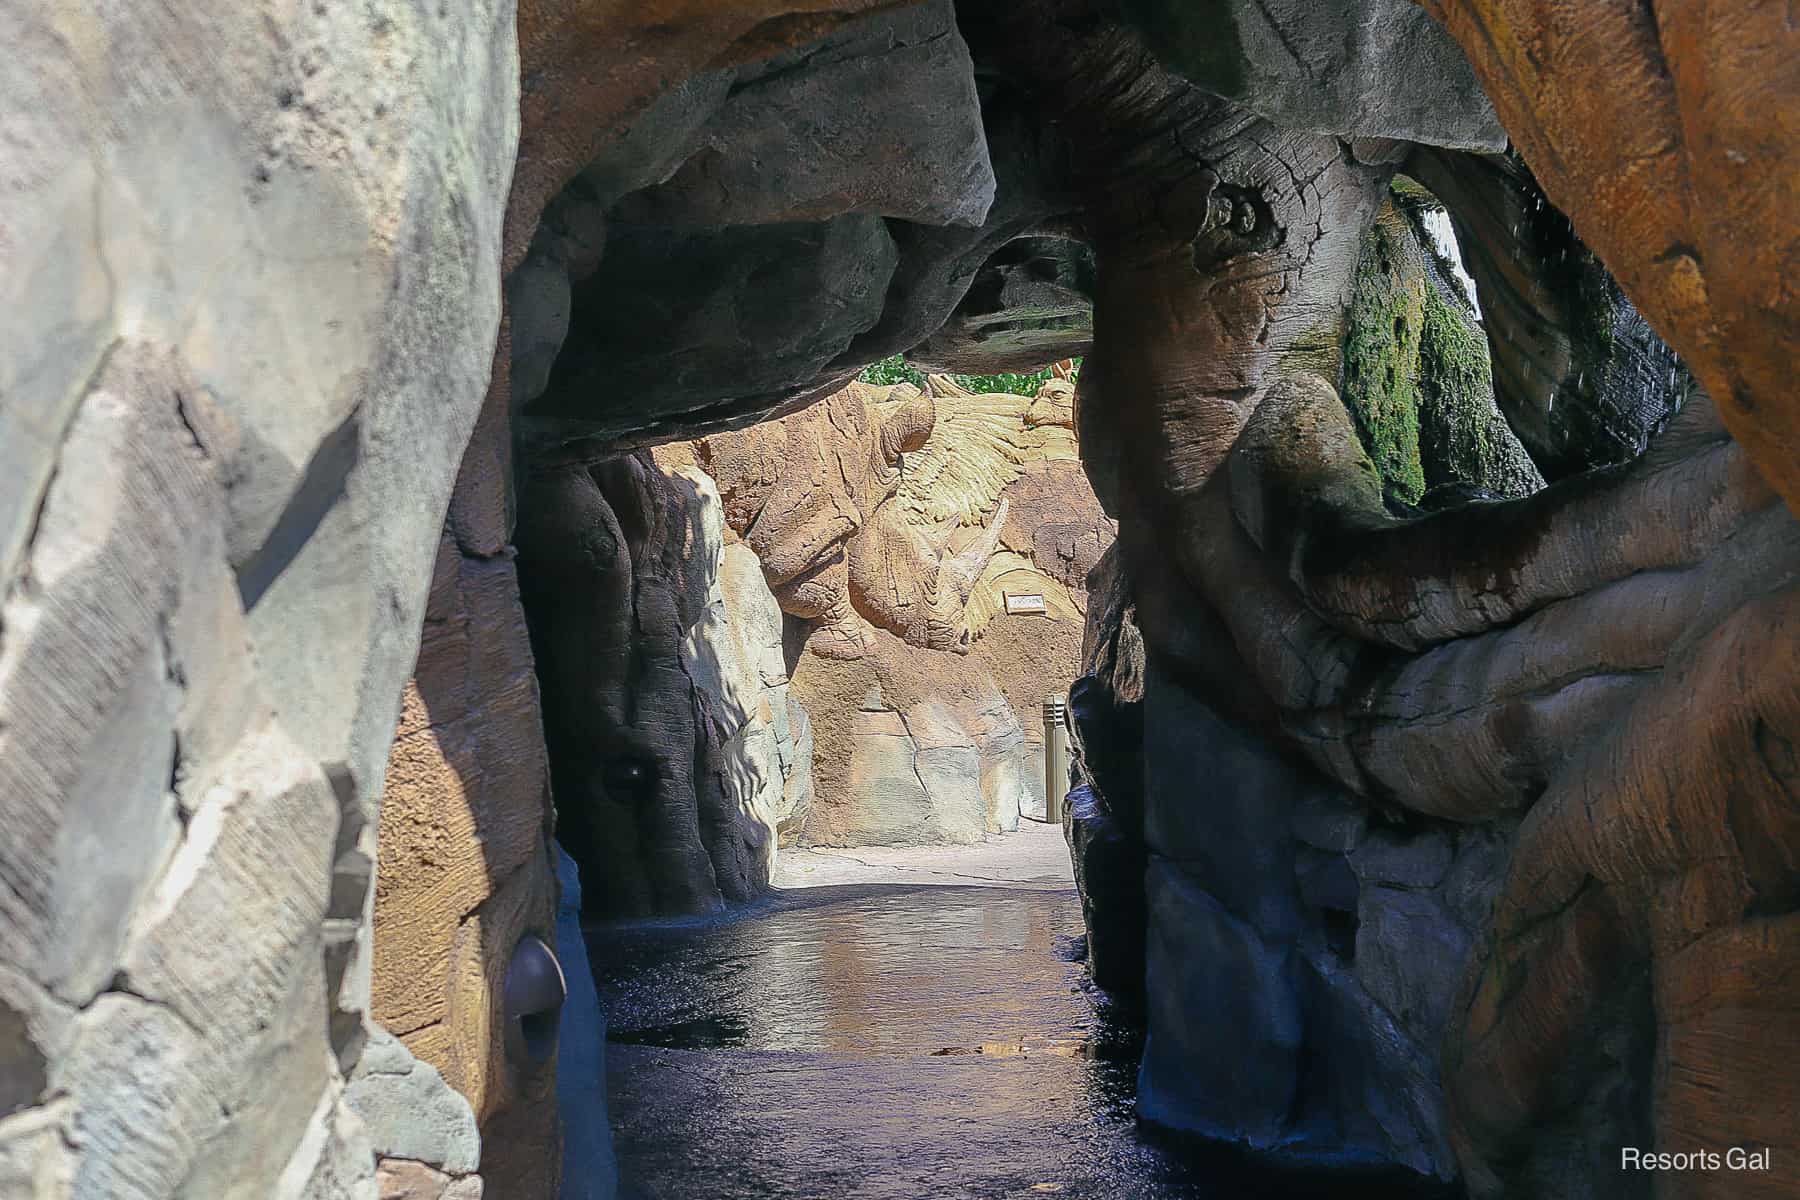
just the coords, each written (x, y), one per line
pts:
(1515, 669)
(1104, 819)
(892, 525)
(225, 462)
(683, 757)
(911, 748)
(1417, 375)
(256, 256)
(676, 753)
(1680, 176)
(464, 881)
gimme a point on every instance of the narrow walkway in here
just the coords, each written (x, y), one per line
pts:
(1035, 858)
(891, 1024)
(902, 1025)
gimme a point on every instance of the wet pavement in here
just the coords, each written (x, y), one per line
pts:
(884, 1041)
(881, 1041)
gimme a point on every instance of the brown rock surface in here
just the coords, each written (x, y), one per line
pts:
(465, 872)
(1683, 173)
(403, 1179)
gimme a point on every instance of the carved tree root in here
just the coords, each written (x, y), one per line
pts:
(1474, 726)
(1671, 844)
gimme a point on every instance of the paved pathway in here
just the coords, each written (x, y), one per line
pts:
(890, 1025)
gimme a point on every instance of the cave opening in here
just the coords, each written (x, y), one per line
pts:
(489, 489)
(1345, 455)
(764, 641)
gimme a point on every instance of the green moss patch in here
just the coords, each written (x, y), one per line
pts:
(1381, 355)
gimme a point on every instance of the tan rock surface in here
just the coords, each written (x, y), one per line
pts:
(885, 521)
(464, 871)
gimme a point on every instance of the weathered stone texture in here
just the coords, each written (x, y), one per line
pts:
(403, 1179)
(408, 1110)
(800, 136)
(675, 752)
(1456, 837)
(729, 249)
(891, 526)
(253, 257)
(1679, 173)
(1374, 69)
(571, 113)
(465, 870)
(913, 747)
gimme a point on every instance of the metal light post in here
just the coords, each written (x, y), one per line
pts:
(1056, 757)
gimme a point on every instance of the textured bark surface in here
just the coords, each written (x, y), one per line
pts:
(1683, 174)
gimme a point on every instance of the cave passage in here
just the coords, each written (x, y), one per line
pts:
(685, 480)
(878, 1040)
(890, 1040)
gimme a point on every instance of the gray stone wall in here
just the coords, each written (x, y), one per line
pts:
(249, 256)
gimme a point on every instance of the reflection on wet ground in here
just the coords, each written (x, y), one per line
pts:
(878, 1042)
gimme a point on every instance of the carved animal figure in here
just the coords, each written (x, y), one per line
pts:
(882, 506)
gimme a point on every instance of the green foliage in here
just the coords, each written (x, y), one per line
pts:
(896, 369)
(1409, 195)
(1417, 376)
(891, 370)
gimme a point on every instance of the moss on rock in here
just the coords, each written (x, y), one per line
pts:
(1464, 441)
(1417, 375)
(1381, 354)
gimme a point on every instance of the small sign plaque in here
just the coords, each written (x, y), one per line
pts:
(1026, 602)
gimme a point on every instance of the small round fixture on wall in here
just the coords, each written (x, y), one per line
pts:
(534, 994)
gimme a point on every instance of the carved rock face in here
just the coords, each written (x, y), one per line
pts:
(676, 755)
(256, 257)
(249, 251)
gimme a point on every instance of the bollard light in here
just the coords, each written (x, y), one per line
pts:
(1056, 756)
